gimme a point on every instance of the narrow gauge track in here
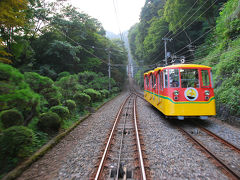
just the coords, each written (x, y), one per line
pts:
(122, 157)
(224, 165)
(232, 173)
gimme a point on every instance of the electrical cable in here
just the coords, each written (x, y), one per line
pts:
(209, 46)
(115, 9)
(87, 50)
(195, 40)
(183, 16)
(196, 18)
(191, 60)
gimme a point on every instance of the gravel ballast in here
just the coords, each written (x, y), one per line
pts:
(75, 156)
(224, 130)
(170, 154)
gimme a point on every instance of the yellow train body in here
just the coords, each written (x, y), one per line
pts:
(169, 107)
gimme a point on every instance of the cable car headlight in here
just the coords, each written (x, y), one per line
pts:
(176, 93)
(207, 93)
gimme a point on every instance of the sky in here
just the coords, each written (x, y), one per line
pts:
(128, 12)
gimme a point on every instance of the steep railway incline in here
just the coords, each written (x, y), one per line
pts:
(169, 154)
(223, 154)
(75, 156)
(122, 156)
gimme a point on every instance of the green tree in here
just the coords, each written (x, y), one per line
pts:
(12, 16)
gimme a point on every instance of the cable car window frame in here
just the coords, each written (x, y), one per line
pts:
(154, 82)
(203, 85)
(175, 78)
(195, 81)
(165, 74)
(160, 80)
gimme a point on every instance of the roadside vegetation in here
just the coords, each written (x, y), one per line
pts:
(53, 70)
(208, 34)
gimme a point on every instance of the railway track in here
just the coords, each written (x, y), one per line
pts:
(216, 149)
(231, 169)
(122, 157)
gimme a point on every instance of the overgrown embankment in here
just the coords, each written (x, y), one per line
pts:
(224, 57)
(35, 108)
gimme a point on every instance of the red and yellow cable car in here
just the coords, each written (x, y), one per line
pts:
(184, 90)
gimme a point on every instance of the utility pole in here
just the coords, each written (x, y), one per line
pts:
(165, 44)
(109, 70)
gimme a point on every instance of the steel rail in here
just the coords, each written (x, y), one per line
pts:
(138, 142)
(233, 147)
(100, 167)
(227, 170)
(121, 143)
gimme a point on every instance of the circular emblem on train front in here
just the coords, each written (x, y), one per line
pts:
(191, 94)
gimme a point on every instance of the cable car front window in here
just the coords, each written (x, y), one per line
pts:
(174, 78)
(189, 78)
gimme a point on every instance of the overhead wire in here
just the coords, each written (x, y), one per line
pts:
(190, 23)
(209, 46)
(183, 17)
(195, 18)
(195, 39)
(118, 22)
(237, 48)
(87, 49)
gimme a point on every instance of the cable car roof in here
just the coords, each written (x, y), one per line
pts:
(188, 65)
(158, 68)
(149, 72)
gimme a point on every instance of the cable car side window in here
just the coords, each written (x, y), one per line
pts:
(165, 76)
(189, 78)
(161, 76)
(211, 78)
(174, 77)
(153, 81)
(160, 80)
(150, 82)
(146, 82)
(205, 78)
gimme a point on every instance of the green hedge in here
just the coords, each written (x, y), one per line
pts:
(95, 95)
(70, 104)
(16, 143)
(11, 118)
(49, 122)
(62, 111)
(82, 99)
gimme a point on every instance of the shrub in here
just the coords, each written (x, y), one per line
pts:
(49, 122)
(93, 80)
(63, 74)
(42, 85)
(105, 93)
(114, 90)
(11, 118)
(82, 99)
(53, 101)
(71, 105)
(15, 92)
(69, 85)
(37, 82)
(62, 111)
(86, 77)
(16, 143)
(53, 91)
(95, 95)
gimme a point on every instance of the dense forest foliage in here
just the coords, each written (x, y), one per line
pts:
(202, 32)
(53, 69)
